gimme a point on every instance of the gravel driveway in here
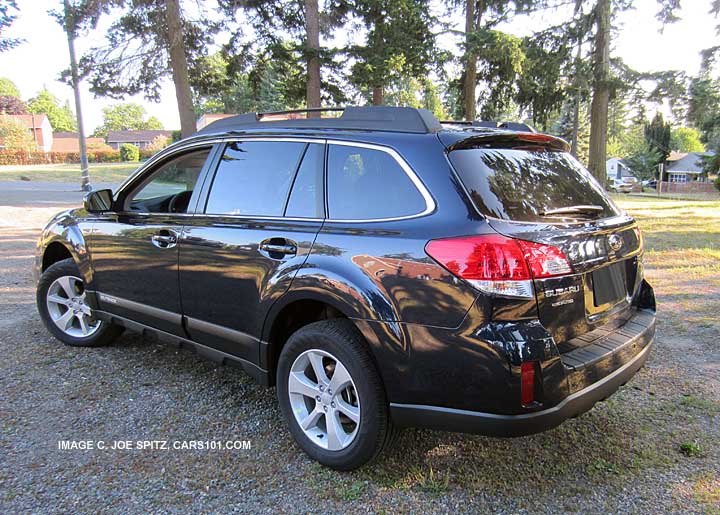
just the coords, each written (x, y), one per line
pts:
(651, 448)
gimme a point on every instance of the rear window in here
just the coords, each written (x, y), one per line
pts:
(527, 186)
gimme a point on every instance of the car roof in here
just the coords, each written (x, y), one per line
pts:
(371, 123)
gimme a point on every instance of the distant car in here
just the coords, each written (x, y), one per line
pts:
(378, 268)
(620, 186)
(650, 183)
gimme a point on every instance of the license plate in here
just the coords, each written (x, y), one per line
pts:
(609, 284)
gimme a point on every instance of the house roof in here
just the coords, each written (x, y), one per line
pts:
(136, 136)
(690, 163)
(31, 121)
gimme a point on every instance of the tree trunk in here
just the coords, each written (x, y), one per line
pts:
(576, 107)
(601, 93)
(377, 95)
(312, 28)
(70, 30)
(470, 64)
(179, 65)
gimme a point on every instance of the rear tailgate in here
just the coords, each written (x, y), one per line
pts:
(529, 188)
(607, 273)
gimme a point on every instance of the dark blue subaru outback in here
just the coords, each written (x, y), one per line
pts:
(380, 268)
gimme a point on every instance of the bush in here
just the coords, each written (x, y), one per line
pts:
(15, 135)
(717, 182)
(25, 157)
(129, 152)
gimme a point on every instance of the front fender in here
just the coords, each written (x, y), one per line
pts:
(66, 229)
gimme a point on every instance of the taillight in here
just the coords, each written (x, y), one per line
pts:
(527, 383)
(497, 264)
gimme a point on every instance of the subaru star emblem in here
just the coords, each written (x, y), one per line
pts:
(615, 242)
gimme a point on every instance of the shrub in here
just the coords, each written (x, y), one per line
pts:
(15, 135)
(717, 182)
(158, 143)
(129, 152)
(25, 157)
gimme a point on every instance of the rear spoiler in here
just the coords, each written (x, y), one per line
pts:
(511, 139)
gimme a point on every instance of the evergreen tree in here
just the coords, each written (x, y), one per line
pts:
(399, 42)
(657, 135)
(149, 41)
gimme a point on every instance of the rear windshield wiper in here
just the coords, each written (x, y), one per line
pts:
(573, 210)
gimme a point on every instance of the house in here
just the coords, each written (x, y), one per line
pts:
(618, 169)
(68, 142)
(207, 119)
(684, 167)
(140, 139)
(39, 127)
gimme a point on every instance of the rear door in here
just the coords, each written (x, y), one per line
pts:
(256, 225)
(548, 197)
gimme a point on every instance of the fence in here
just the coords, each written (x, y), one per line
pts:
(686, 187)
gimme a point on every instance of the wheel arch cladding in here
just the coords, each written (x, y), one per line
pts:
(63, 238)
(296, 310)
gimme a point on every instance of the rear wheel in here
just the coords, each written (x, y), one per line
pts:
(331, 395)
(61, 301)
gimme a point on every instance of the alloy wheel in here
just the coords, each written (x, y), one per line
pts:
(68, 309)
(324, 400)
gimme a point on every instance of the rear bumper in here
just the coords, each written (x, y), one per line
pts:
(491, 424)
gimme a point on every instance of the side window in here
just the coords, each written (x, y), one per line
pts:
(254, 178)
(169, 187)
(306, 197)
(365, 184)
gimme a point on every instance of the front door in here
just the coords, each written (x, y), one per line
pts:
(135, 248)
(251, 235)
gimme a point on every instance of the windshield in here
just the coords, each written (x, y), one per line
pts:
(530, 186)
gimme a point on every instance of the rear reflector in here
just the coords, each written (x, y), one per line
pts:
(527, 383)
(497, 264)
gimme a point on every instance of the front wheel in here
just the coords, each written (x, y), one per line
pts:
(331, 395)
(64, 311)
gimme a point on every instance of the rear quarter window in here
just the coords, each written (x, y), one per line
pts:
(366, 184)
(521, 185)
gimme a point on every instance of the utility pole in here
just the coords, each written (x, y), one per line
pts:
(70, 28)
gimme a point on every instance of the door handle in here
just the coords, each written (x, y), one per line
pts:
(278, 246)
(164, 239)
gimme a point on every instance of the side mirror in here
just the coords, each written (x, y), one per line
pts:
(98, 201)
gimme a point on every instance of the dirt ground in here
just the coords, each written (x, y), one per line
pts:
(651, 448)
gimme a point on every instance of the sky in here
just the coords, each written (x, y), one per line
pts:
(37, 63)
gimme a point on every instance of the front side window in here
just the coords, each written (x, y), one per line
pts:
(254, 178)
(367, 184)
(170, 187)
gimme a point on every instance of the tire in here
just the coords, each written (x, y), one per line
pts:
(61, 302)
(337, 341)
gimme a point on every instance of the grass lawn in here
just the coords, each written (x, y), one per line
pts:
(682, 259)
(99, 172)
